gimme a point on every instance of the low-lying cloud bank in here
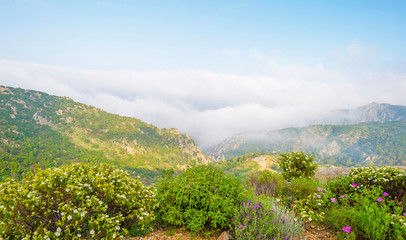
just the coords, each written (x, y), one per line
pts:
(211, 106)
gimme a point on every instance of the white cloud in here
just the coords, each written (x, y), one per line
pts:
(211, 106)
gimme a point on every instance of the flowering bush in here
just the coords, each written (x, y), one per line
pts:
(264, 218)
(297, 165)
(315, 206)
(74, 202)
(371, 213)
(392, 180)
(200, 198)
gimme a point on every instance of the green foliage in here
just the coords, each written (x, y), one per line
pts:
(371, 213)
(264, 218)
(74, 202)
(391, 180)
(297, 165)
(315, 206)
(200, 198)
(266, 183)
(301, 188)
(341, 186)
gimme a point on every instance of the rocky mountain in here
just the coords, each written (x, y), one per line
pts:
(348, 145)
(372, 112)
(40, 130)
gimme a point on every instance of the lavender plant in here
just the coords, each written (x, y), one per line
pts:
(264, 218)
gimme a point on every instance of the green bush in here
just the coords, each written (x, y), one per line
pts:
(297, 165)
(74, 202)
(315, 206)
(373, 215)
(264, 218)
(341, 186)
(391, 180)
(301, 188)
(200, 198)
(266, 182)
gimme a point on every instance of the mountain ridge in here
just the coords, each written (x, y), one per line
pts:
(346, 144)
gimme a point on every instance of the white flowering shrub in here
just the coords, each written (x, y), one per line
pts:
(297, 165)
(391, 180)
(80, 201)
(315, 206)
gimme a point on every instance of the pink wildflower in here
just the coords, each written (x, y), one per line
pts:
(333, 200)
(354, 184)
(379, 199)
(342, 196)
(319, 189)
(347, 229)
(385, 194)
(318, 196)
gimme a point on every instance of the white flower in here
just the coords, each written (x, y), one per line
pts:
(118, 228)
(91, 232)
(310, 219)
(75, 211)
(69, 217)
(57, 234)
(58, 229)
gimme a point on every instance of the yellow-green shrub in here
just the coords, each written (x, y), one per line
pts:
(75, 202)
(297, 165)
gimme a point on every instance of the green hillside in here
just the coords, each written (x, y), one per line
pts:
(380, 143)
(38, 130)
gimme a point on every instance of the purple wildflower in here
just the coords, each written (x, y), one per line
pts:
(379, 199)
(385, 194)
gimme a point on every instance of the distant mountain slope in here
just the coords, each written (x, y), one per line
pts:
(40, 130)
(373, 142)
(373, 112)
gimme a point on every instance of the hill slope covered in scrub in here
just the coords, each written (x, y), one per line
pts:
(380, 143)
(41, 130)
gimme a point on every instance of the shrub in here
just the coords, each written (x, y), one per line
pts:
(73, 202)
(392, 180)
(200, 198)
(264, 218)
(315, 206)
(266, 182)
(297, 165)
(373, 215)
(341, 186)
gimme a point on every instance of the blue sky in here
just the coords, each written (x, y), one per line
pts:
(145, 35)
(207, 67)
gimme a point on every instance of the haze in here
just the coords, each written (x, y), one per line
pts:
(208, 68)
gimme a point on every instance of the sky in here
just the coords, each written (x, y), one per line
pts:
(211, 69)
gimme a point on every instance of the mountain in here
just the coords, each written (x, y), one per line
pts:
(372, 112)
(380, 143)
(40, 130)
